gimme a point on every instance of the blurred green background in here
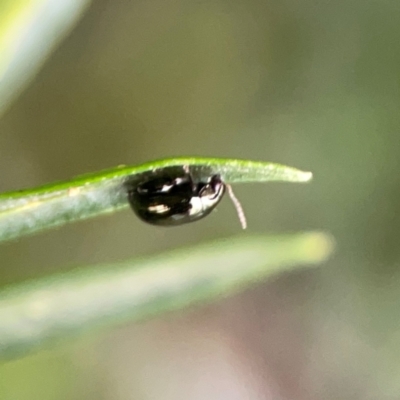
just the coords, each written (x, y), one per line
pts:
(311, 84)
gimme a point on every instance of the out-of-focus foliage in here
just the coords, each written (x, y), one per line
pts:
(29, 31)
(36, 313)
(311, 84)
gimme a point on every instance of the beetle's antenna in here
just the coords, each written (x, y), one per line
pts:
(238, 206)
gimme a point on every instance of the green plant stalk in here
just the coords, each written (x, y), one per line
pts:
(28, 211)
(37, 313)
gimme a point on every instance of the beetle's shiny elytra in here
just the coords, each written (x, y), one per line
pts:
(174, 196)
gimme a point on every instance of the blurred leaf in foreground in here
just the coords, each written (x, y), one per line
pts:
(29, 31)
(36, 313)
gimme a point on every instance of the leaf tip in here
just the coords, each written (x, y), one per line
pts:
(320, 244)
(305, 176)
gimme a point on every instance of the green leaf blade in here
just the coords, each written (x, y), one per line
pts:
(29, 211)
(36, 313)
(29, 31)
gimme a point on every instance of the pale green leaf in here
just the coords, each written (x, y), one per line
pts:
(36, 313)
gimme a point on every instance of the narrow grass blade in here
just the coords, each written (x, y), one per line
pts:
(29, 31)
(36, 313)
(33, 210)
